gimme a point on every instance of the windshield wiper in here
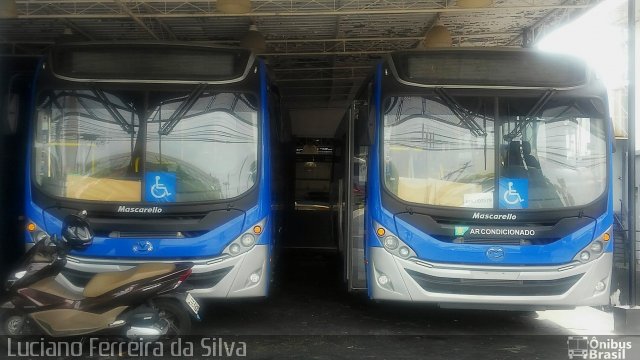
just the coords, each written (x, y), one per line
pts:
(182, 110)
(109, 106)
(465, 116)
(533, 112)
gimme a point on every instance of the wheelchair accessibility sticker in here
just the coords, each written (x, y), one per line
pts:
(514, 193)
(160, 187)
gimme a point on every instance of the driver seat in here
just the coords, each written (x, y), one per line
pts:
(102, 283)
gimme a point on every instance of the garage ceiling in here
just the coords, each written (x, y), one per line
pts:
(319, 49)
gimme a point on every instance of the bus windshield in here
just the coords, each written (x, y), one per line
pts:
(145, 146)
(498, 153)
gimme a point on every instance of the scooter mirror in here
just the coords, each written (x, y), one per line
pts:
(76, 232)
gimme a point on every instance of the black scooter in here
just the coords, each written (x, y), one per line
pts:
(139, 302)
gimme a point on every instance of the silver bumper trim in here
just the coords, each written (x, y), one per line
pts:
(235, 284)
(399, 285)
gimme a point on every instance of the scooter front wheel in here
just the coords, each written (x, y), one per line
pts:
(13, 325)
(175, 315)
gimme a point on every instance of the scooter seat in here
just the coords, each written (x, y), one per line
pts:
(104, 282)
(52, 287)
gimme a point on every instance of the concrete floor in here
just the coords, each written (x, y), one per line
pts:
(310, 315)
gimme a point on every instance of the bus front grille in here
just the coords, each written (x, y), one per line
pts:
(459, 286)
(206, 280)
(515, 242)
(194, 281)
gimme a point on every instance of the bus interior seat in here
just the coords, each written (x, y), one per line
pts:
(515, 157)
(528, 158)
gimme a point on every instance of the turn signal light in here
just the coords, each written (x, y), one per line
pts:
(31, 227)
(257, 229)
(380, 232)
(606, 237)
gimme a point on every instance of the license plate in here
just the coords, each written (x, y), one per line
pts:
(193, 304)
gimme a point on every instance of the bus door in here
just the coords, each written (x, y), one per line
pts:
(354, 187)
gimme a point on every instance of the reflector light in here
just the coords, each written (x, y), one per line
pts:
(184, 276)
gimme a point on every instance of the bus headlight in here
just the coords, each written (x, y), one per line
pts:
(404, 251)
(595, 249)
(392, 243)
(585, 256)
(234, 249)
(246, 241)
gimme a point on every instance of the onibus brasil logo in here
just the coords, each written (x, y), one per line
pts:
(584, 348)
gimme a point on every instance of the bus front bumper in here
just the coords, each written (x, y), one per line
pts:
(569, 285)
(242, 276)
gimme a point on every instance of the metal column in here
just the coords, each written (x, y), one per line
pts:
(627, 318)
(631, 158)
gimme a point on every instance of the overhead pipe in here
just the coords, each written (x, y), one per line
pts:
(337, 12)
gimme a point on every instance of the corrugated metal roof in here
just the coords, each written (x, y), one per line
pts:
(328, 45)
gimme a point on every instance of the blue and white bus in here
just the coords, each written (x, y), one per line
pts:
(169, 148)
(479, 178)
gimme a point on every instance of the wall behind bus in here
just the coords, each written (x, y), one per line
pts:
(315, 123)
(3, 134)
(16, 74)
